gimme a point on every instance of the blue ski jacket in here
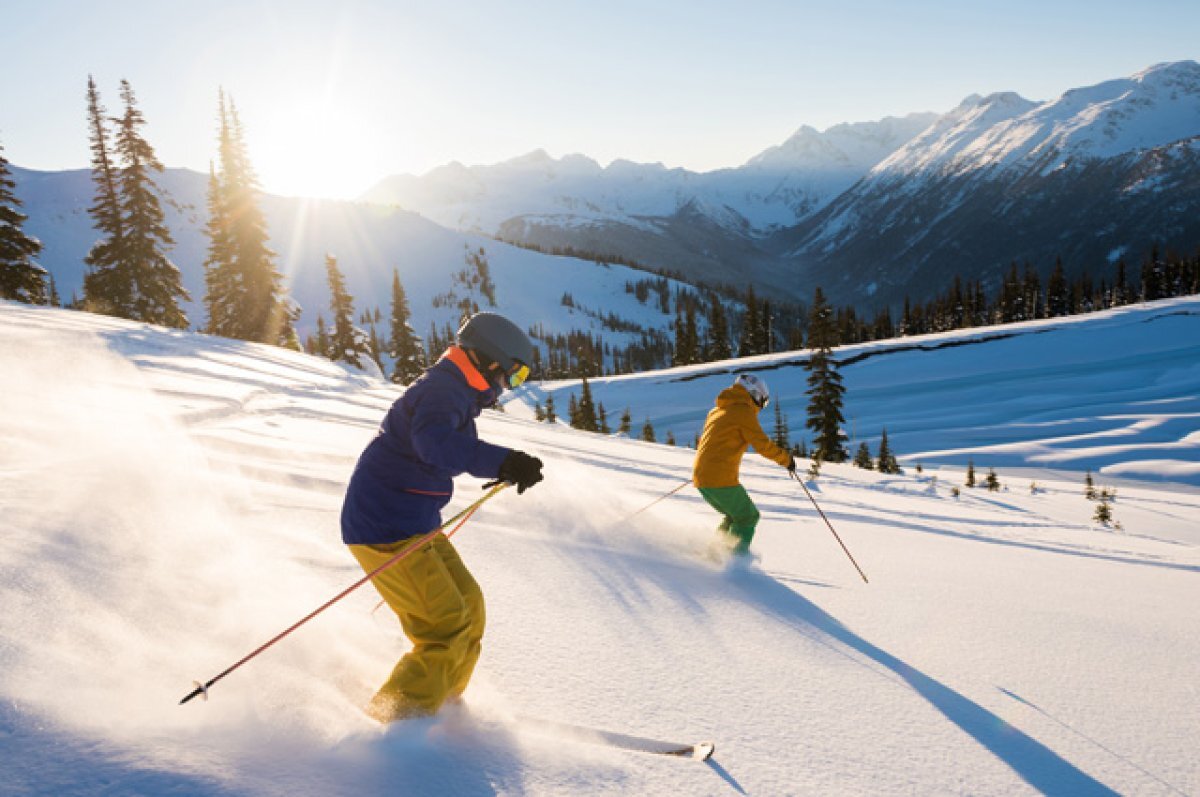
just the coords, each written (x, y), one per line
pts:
(405, 475)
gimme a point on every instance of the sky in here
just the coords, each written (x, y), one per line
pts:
(335, 96)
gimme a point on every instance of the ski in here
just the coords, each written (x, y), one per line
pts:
(701, 751)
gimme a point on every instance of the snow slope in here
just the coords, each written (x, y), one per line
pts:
(1115, 392)
(169, 501)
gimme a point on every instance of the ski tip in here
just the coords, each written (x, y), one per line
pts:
(703, 751)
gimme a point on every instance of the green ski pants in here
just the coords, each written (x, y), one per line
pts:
(739, 514)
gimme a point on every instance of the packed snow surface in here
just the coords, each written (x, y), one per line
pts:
(169, 501)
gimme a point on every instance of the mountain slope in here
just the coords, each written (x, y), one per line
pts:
(169, 501)
(1100, 172)
(369, 242)
(1115, 392)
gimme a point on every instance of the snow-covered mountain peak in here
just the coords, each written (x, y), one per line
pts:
(1153, 108)
(852, 145)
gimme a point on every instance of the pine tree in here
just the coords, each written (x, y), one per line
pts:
(1057, 294)
(155, 285)
(765, 339)
(626, 425)
(550, 416)
(20, 277)
(970, 473)
(670, 438)
(648, 432)
(602, 419)
(825, 389)
(105, 290)
(245, 295)
(992, 481)
(781, 433)
(862, 458)
(887, 460)
(748, 344)
(404, 347)
(1103, 513)
(1089, 486)
(717, 346)
(348, 343)
(585, 413)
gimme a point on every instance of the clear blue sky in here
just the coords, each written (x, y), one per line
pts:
(336, 95)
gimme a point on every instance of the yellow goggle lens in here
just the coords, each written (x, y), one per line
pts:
(517, 377)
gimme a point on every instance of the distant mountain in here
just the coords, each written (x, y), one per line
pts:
(709, 226)
(1098, 174)
(369, 242)
(875, 211)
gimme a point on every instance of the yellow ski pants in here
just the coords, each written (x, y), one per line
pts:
(441, 610)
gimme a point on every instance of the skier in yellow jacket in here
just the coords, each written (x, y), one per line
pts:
(731, 427)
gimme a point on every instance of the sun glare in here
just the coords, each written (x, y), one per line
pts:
(313, 149)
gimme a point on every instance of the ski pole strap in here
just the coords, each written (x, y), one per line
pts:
(830, 525)
(461, 518)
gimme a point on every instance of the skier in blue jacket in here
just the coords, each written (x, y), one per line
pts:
(401, 483)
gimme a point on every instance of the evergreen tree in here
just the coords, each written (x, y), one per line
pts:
(992, 481)
(602, 419)
(104, 288)
(1103, 513)
(573, 412)
(404, 347)
(686, 350)
(717, 346)
(550, 416)
(970, 473)
(245, 295)
(781, 432)
(156, 286)
(1089, 486)
(1154, 283)
(348, 343)
(585, 414)
(670, 439)
(862, 458)
(887, 460)
(20, 277)
(626, 425)
(748, 344)
(825, 389)
(648, 432)
(765, 339)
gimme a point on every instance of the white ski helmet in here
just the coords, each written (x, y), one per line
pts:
(756, 387)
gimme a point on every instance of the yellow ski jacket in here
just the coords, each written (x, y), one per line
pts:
(730, 428)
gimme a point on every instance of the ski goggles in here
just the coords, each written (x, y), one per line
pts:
(517, 375)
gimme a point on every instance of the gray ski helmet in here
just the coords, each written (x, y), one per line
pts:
(497, 338)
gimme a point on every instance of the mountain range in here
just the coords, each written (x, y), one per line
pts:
(873, 211)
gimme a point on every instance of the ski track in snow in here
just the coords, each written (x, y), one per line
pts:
(170, 501)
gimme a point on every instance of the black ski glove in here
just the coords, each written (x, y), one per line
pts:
(520, 469)
(791, 466)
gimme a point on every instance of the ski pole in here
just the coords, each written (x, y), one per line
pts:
(830, 525)
(656, 500)
(460, 518)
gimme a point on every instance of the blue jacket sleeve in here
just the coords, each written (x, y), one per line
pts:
(443, 434)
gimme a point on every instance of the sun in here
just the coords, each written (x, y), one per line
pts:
(314, 148)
